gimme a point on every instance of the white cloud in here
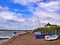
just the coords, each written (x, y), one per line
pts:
(51, 6)
(46, 12)
(3, 8)
(8, 15)
(45, 17)
(10, 20)
(24, 2)
(43, 13)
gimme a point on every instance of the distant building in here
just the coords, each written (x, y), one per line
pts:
(50, 25)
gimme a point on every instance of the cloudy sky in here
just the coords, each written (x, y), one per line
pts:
(28, 14)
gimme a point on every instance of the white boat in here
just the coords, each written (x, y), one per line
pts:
(5, 37)
(51, 37)
(37, 33)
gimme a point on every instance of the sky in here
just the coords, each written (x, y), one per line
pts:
(28, 14)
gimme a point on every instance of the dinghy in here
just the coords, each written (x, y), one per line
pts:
(5, 37)
(51, 37)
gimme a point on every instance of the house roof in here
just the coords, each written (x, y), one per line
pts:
(50, 24)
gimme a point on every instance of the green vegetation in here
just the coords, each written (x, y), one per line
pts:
(55, 29)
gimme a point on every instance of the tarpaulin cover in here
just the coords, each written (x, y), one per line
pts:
(39, 36)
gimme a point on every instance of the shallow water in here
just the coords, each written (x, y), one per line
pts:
(2, 41)
(8, 33)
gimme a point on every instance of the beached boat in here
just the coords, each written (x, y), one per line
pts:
(51, 37)
(39, 35)
(5, 37)
(15, 34)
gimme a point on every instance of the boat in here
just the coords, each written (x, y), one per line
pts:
(39, 35)
(51, 37)
(15, 34)
(5, 37)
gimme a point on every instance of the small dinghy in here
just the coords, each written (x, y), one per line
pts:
(14, 33)
(5, 37)
(51, 37)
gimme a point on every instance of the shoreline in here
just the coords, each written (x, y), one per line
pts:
(29, 39)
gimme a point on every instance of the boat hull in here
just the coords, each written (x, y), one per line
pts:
(39, 36)
(5, 37)
(51, 37)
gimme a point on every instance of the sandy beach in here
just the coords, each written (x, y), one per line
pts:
(29, 39)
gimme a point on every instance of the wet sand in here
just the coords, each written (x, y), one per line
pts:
(29, 39)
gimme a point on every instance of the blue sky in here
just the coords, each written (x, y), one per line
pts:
(24, 14)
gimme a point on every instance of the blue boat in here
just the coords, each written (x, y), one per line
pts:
(38, 35)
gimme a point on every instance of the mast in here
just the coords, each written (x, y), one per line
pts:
(38, 21)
